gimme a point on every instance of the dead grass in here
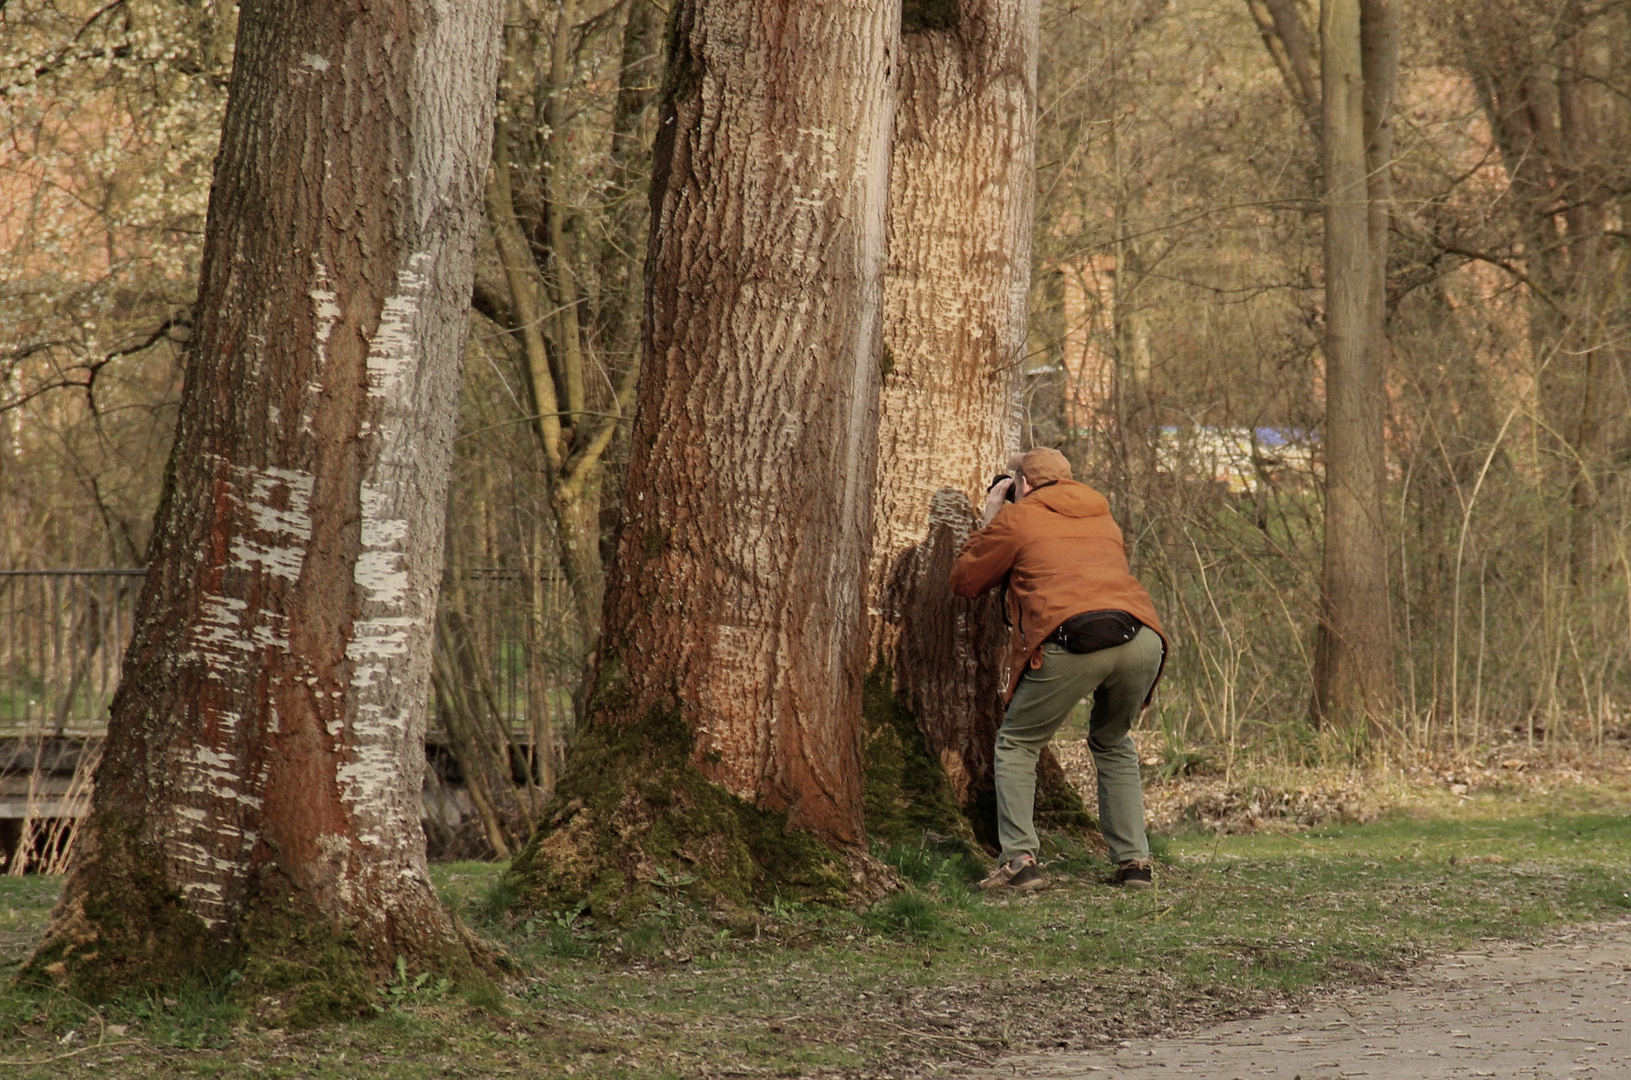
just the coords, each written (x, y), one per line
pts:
(1265, 796)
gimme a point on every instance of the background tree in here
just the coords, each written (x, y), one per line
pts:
(566, 301)
(109, 115)
(1359, 58)
(723, 740)
(1349, 108)
(256, 804)
(558, 288)
(1548, 79)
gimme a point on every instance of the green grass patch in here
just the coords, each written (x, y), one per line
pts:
(934, 973)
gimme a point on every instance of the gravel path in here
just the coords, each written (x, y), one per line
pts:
(1523, 1012)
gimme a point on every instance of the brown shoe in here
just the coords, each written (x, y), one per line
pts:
(1027, 878)
(1134, 874)
(1020, 875)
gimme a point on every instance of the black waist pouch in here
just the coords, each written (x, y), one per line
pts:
(1094, 630)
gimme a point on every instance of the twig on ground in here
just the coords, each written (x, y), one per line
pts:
(16, 1063)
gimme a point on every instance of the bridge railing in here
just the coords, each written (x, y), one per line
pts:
(62, 637)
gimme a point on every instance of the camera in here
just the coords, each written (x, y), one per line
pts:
(1013, 489)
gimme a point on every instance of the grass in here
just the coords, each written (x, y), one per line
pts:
(936, 973)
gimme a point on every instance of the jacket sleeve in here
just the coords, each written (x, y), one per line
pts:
(986, 558)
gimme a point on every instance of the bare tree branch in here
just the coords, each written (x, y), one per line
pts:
(93, 368)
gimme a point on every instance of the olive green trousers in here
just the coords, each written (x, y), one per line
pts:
(1116, 680)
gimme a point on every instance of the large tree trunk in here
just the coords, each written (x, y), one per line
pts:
(961, 193)
(257, 805)
(1353, 677)
(730, 676)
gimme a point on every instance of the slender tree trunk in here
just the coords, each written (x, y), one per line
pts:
(577, 501)
(257, 804)
(577, 498)
(1353, 678)
(547, 293)
(1292, 49)
(961, 192)
(730, 674)
(629, 157)
(1593, 274)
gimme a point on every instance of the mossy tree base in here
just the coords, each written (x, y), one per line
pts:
(634, 821)
(122, 930)
(121, 926)
(908, 794)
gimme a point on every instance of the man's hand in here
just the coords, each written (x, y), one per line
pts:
(994, 500)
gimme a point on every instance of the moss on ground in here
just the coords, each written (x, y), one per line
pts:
(298, 971)
(122, 929)
(635, 824)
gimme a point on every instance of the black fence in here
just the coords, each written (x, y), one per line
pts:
(62, 637)
(63, 634)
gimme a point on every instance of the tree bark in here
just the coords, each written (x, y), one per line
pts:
(961, 194)
(1353, 678)
(738, 590)
(257, 804)
(730, 678)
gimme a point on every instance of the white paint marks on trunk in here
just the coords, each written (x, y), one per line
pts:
(392, 608)
(279, 528)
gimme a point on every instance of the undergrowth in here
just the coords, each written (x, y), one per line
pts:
(933, 973)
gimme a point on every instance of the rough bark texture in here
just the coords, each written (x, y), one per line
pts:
(731, 662)
(1353, 678)
(257, 803)
(961, 192)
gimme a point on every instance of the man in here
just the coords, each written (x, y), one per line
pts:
(1082, 627)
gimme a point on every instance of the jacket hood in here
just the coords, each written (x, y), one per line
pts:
(1069, 498)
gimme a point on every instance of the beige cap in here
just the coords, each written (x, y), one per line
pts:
(1044, 465)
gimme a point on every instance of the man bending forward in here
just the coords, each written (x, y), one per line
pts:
(1069, 589)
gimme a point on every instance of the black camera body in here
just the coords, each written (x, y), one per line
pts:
(1013, 489)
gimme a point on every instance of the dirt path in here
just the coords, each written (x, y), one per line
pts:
(1546, 1013)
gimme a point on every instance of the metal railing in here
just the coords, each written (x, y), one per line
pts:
(62, 637)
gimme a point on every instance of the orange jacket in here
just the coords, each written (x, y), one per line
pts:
(1061, 554)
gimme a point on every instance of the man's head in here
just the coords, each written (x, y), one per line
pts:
(1044, 466)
